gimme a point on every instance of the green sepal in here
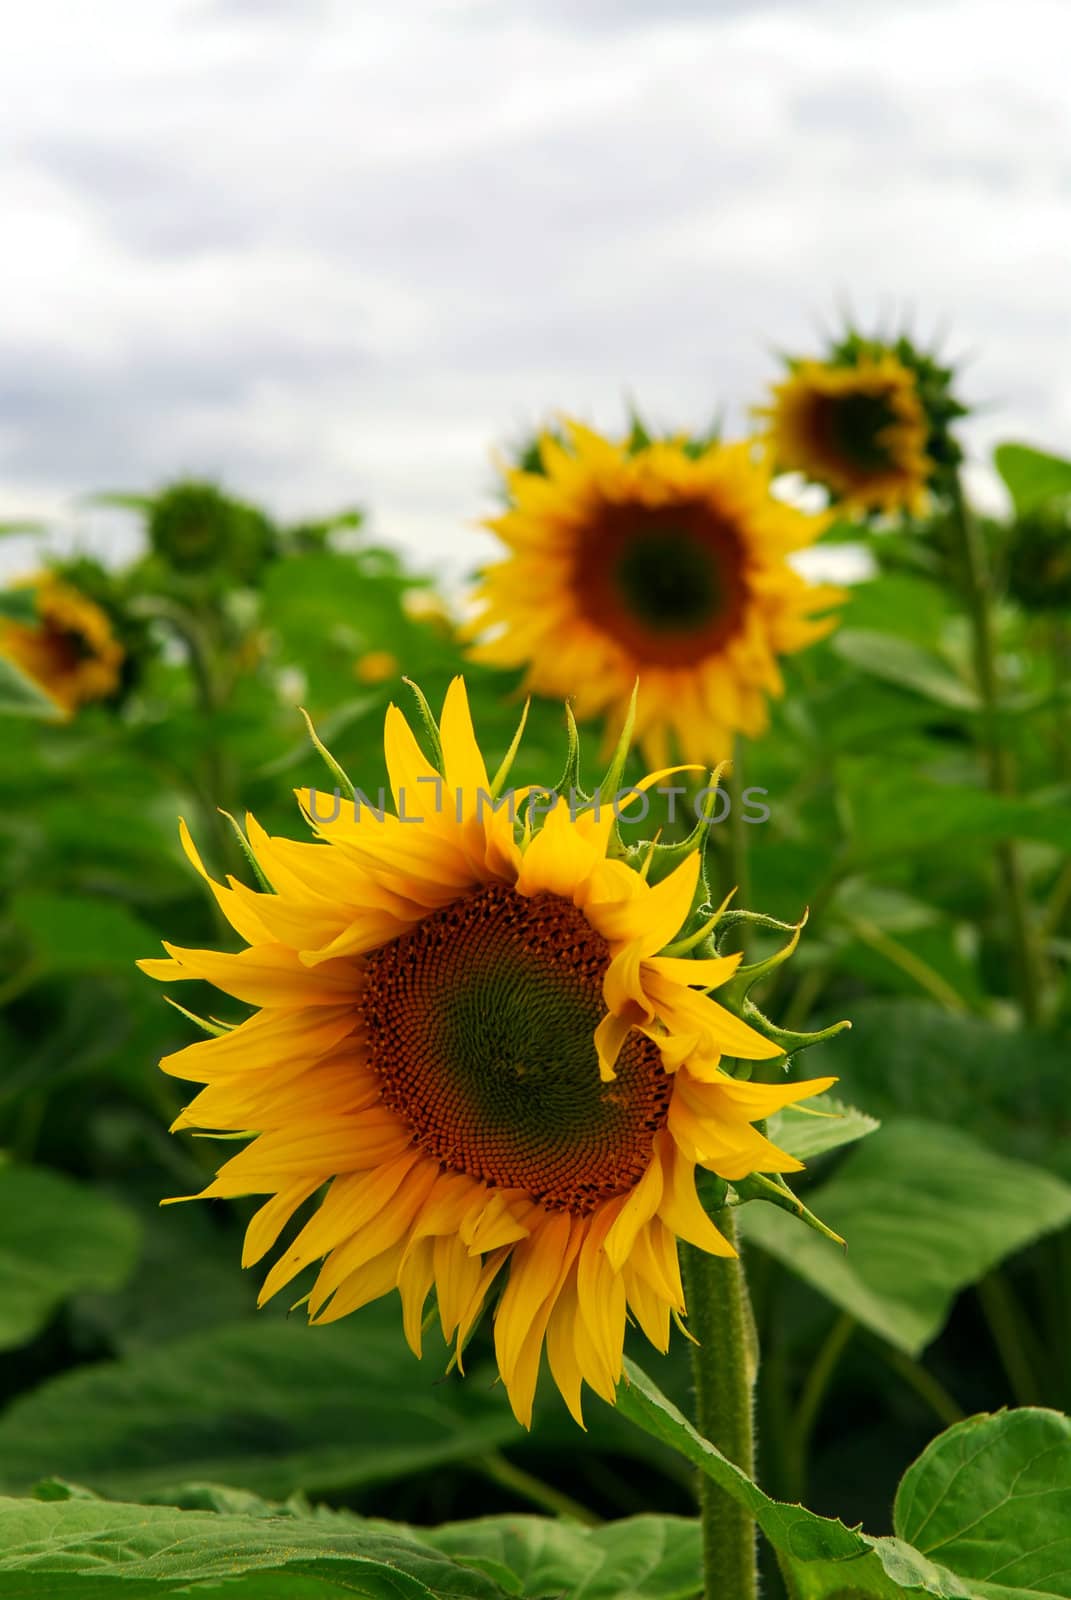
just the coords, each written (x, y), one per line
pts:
(431, 726)
(510, 756)
(775, 1191)
(247, 851)
(215, 1029)
(342, 778)
(713, 1191)
(664, 858)
(739, 986)
(569, 782)
(789, 1040)
(611, 782)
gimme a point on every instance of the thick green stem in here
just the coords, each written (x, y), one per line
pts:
(723, 1368)
(977, 586)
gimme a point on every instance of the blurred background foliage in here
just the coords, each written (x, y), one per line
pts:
(134, 1361)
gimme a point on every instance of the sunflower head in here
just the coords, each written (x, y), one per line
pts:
(67, 642)
(662, 560)
(477, 1063)
(871, 422)
(195, 529)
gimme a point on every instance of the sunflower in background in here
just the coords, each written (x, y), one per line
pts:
(478, 1045)
(661, 560)
(869, 422)
(67, 644)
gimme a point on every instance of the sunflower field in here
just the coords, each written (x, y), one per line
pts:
(557, 1087)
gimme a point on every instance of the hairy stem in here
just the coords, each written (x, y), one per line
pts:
(723, 1369)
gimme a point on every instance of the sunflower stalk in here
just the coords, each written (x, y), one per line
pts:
(724, 1366)
(978, 592)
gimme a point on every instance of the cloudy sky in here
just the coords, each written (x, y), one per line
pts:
(332, 251)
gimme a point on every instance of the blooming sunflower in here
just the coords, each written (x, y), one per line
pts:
(69, 650)
(658, 561)
(860, 428)
(467, 1044)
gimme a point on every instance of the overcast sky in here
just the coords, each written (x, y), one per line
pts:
(332, 252)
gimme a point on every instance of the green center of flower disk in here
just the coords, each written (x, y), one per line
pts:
(667, 582)
(670, 579)
(480, 1024)
(853, 424)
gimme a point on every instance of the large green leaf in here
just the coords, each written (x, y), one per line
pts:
(991, 1498)
(18, 605)
(908, 1057)
(272, 1407)
(637, 1558)
(20, 696)
(641, 1558)
(925, 1210)
(58, 1237)
(806, 1134)
(906, 665)
(75, 934)
(846, 1560)
(80, 1549)
(1032, 476)
(899, 815)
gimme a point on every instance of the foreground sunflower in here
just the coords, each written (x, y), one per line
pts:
(661, 561)
(468, 1044)
(69, 648)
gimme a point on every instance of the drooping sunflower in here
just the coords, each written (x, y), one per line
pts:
(467, 1044)
(69, 648)
(659, 562)
(859, 428)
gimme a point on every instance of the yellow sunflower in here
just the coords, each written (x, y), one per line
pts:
(467, 1044)
(661, 563)
(70, 651)
(860, 428)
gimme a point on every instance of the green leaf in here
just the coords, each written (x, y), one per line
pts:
(848, 1561)
(79, 1549)
(272, 1407)
(20, 696)
(992, 1498)
(806, 1134)
(907, 665)
(925, 1211)
(76, 934)
(904, 814)
(58, 1237)
(1032, 476)
(888, 1058)
(639, 1558)
(18, 605)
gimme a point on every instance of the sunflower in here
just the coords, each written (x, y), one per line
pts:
(663, 562)
(469, 1047)
(859, 427)
(69, 650)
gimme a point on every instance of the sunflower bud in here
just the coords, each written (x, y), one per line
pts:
(1039, 557)
(195, 529)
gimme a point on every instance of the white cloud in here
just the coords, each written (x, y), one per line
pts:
(335, 254)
